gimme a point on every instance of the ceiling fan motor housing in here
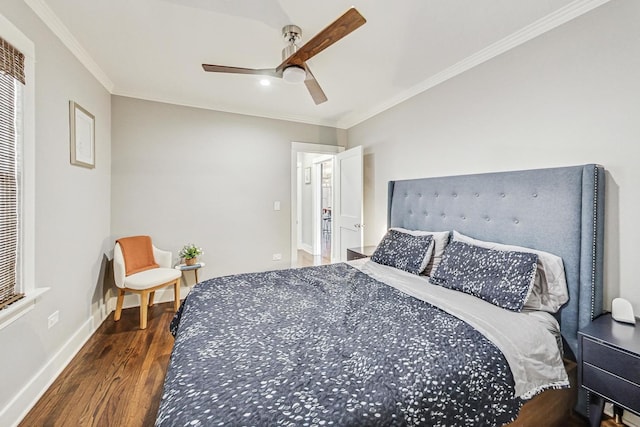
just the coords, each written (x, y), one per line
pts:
(291, 33)
(289, 50)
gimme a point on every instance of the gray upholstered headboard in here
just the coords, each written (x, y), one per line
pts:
(559, 210)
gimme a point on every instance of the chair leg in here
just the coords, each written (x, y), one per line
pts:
(176, 296)
(151, 295)
(118, 312)
(143, 309)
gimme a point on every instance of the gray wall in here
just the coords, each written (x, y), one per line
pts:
(72, 220)
(183, 175)
(568, 97)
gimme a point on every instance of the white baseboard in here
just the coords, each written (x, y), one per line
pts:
(28, 396)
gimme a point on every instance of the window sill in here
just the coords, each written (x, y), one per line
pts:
(20, 308)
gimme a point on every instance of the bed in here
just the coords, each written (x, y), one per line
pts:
(368, 344)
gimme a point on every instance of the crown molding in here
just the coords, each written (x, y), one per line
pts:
(52, 21)
(541, 26)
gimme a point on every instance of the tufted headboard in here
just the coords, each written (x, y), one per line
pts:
(558, 210)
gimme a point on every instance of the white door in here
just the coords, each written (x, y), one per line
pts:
(347, 215)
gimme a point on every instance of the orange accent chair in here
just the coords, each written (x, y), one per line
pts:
(141, 268)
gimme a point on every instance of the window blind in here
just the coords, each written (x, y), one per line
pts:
(11, 61)
(11, 70)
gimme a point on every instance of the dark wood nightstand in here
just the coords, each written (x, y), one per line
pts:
(610, 365)
(361, 252)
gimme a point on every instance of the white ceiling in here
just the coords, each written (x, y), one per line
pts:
(153, 49)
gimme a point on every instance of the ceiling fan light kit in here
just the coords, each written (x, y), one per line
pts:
(294, 68)
(294, 74)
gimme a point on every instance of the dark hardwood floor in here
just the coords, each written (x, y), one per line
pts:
(116, 379)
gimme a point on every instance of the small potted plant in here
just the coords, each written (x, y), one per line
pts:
(190, 253)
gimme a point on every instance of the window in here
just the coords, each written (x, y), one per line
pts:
(11, 77)
(19, 46)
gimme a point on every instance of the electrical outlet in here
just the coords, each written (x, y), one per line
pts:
(277, 257)
(53, 318)
(276, 205)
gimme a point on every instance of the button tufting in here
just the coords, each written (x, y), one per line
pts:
(420, 195)
(502, 194)
(535, 194)
(488, 219)
(455, 195)
(476, 194)
(443, 216)
(516, 221)
(437, 195)
(463, 217)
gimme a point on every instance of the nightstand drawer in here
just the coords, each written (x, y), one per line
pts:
(611, 387)
(611, 359)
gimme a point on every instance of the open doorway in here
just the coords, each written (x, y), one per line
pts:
(312, 194)
(326, 207)
(342, 211)
(315, 202)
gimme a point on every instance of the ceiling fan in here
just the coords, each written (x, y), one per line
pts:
(294, 66)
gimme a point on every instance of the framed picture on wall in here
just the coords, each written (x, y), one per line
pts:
(82, 136)
(307, 175)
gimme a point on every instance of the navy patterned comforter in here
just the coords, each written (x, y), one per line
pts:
(324, 346)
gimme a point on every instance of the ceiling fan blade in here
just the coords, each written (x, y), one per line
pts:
(239, 70)
(314, 87)
(341, 27)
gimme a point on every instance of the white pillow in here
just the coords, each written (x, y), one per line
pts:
(549, 291)
(440, 239)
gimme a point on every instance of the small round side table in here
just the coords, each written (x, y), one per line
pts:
(195, 267)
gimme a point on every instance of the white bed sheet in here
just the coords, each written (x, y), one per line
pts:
(524, 338)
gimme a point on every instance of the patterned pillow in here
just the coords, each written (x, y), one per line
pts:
(404, 251)
(549, 291)
(503, 278)
(440, 240)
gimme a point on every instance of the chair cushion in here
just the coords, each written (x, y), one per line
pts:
(150, 278)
